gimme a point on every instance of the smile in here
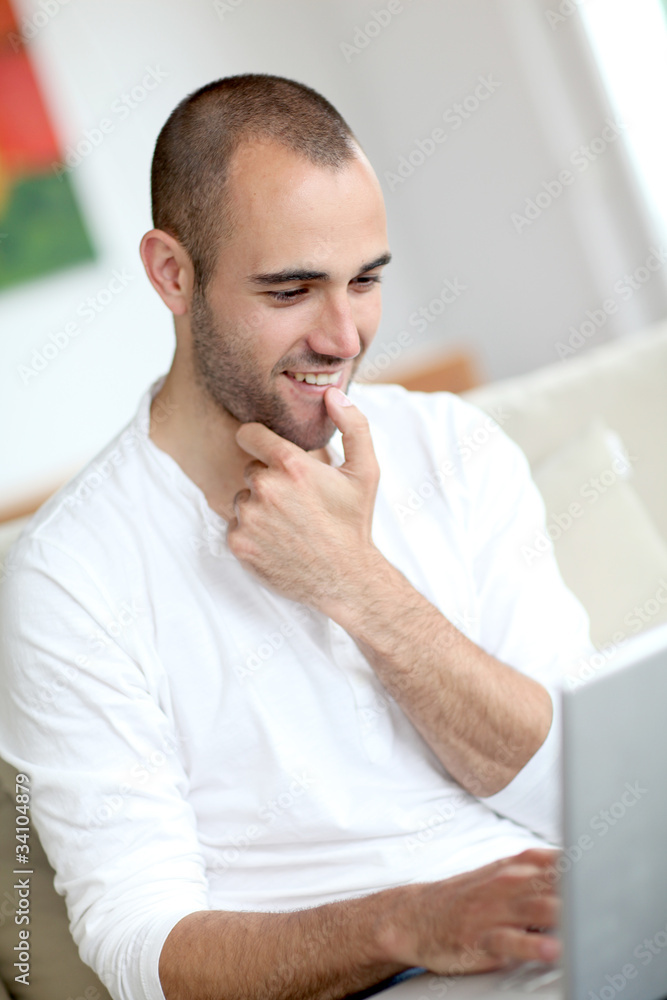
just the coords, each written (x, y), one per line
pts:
(316, 378)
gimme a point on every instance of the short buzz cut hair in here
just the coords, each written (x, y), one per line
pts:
(197, 142)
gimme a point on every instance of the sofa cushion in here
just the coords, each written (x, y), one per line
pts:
(56, 971)
(623, 382)
(601, 530)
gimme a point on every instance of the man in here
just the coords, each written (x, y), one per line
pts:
(286, 740)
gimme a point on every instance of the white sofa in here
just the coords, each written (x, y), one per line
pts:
(594, 429)
(607, 515)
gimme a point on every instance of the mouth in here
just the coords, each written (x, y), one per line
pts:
(314, 382)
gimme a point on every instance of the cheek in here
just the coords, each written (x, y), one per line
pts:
(367, 314)
(278, 335)
(283, 329)
(252, 324)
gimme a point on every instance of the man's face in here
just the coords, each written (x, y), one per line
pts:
(295, 291)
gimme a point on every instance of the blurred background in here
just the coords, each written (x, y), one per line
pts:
(520, 144)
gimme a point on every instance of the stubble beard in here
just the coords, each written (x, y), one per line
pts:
(226, 371)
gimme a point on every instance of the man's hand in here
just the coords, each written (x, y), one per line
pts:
(474, 922)
(481, 920)
(304, 527)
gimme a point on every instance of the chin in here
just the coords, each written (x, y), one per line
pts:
(309, 438)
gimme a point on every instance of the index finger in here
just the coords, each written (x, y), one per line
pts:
(360, 459)
(264, 444)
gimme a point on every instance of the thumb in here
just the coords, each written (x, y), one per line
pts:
(357, 443)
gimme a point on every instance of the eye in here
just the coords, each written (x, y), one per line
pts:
(289, 295)
(366, 281)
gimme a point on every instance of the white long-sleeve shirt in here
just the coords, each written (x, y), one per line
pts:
(196, 741)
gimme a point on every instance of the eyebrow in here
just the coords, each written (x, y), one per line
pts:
(296, 274)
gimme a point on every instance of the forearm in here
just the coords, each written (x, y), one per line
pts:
(474, 922)
(483, 719)
(324, 952)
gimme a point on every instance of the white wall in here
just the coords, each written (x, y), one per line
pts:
(450, 219)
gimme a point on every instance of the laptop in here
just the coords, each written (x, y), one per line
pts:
(614, 879)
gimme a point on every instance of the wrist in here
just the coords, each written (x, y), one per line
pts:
(348, 603)
(392, 939)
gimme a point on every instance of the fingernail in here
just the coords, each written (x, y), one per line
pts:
(550, 950)
(340, 397)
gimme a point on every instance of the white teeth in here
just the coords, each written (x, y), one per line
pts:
(321, 378)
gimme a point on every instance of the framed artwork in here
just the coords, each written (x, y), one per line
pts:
(41, 226)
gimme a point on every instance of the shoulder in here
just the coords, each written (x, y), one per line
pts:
(440, 438)
(449, 423)
(389, 403)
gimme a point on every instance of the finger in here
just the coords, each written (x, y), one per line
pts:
(540, 912)
(240, 498)
(545, 873)
(251, 470)
(509, 943)
(353, 425)
(265, 445)
(522, 898)
(523, 875)
(543, 857)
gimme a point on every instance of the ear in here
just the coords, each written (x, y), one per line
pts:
(169, 270)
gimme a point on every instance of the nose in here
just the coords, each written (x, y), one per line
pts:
(336, 332)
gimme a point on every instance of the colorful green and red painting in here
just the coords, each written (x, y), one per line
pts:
(41, 227)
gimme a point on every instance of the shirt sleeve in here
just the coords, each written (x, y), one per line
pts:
(86, 722)
(529, 619)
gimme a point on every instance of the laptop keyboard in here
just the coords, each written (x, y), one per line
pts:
(530, 977)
